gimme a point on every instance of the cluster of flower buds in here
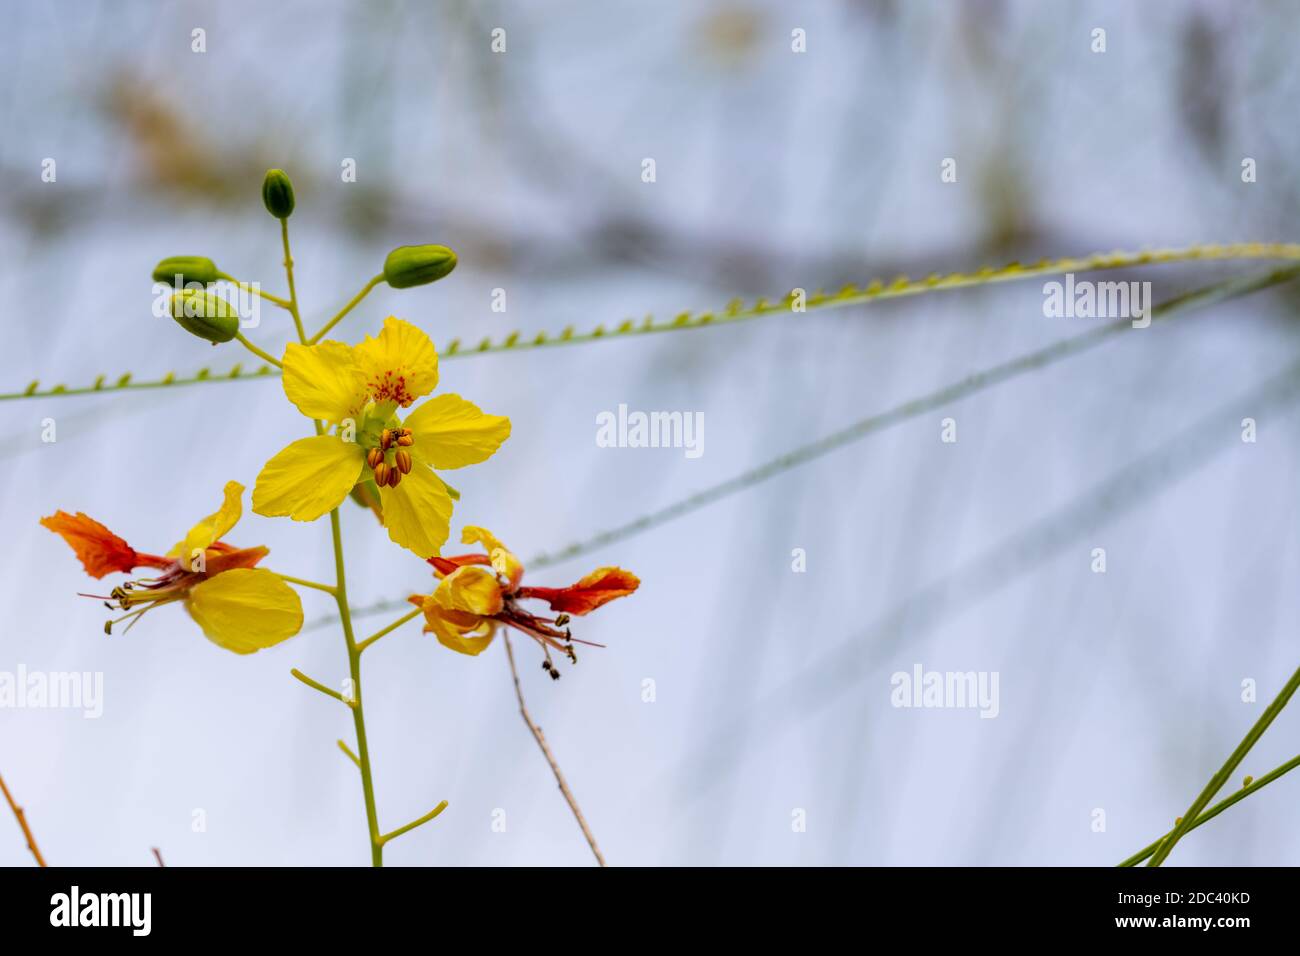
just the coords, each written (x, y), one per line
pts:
(212, 318)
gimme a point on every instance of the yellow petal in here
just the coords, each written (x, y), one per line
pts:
(324, 381)
(471, 589)
(503, 559)
(245, 610)
(451, 432)
(211, 529)
(417, 513)
(399, 366)
(473, 534)
(308, 478)
(462, 633)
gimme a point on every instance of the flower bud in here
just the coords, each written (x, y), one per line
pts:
(277, 194)
(206, 315)
(408, 266)
(189, 268)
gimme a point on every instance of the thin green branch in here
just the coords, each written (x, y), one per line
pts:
(389, 629)
(1218, 808)
(736, 311)
(288, 272)
(264, 356)
(358, 715)
(413, 824)
(317, 685)
(1216, 783)
(351, 756)
(303, 583)
(255, 290)
(352, 304)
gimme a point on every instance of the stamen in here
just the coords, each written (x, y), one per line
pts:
(381, 474)
(385, 438)
(403, 460)
(394, 476)
(407, 439)
(374, 457)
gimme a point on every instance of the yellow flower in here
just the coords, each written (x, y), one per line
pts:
(359, 389)
(240, 607)
(470, 600)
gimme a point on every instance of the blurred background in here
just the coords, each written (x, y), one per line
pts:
(1119, 692)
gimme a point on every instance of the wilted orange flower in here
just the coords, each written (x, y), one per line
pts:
(470, 600)
(240, 607)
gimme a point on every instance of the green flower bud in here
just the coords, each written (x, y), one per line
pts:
(189, 268)
(408, 266)
(277, 194)
(206, 315)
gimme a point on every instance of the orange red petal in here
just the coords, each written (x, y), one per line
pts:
(227, 558)
(600, 587)
(101, 552)
(446, 566)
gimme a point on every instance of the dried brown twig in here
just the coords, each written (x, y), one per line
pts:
(22, 822)
(550, 758)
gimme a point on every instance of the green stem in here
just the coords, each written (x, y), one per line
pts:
(256, 290)
(1219, 779)
(303, 583)
(340, 592)
(317, 685)
(346, 309)
(358, 714)
(264, 356)
(414, 823)
(389, 629)
(348, 750)
(1218, 808)
(288, 272)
